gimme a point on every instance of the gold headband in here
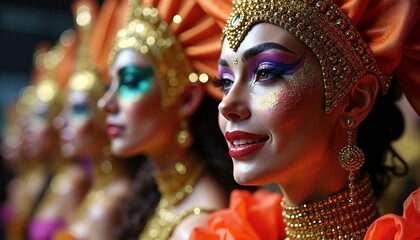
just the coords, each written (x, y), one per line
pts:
(147, 34)
(86, 77)
(320, 24)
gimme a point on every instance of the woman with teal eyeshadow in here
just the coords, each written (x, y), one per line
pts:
(158, 105)
(83, 138)
(135, 80)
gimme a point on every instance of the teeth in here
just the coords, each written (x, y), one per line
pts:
(246, 141)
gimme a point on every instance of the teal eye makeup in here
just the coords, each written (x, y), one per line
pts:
(134, 80)
(81, 109)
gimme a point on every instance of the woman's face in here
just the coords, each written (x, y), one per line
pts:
(12, 144)
(80, 130)
(39, 137)
(136, 121)
(272, 110)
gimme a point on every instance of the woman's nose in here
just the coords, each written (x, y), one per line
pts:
(108, 102)
(235, 105)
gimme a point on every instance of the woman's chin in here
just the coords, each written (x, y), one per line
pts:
(122, 151)
(246, 178)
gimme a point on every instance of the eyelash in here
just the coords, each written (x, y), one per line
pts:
(274, 71)
(221, 83)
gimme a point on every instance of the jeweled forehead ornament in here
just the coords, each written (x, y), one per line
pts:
(147, 34)
(343, 55)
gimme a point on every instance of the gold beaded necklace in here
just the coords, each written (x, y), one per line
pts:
(334, 218)
(174, 184)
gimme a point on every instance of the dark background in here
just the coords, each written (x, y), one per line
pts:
(23, 25)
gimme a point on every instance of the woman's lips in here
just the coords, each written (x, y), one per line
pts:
(114, 130)
(243, 143)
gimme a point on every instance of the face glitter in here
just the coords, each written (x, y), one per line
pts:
(235, 61)
(291, 89)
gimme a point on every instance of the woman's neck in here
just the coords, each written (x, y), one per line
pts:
(106, 170)
(172, 154)
(177, 181)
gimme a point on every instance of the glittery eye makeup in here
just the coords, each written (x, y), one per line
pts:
(268, 66)
(134, 80)
(226, 77)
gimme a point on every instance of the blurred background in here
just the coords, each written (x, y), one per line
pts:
(23, 25)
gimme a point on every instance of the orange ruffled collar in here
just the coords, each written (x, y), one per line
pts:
(250, 216)
(393, 227)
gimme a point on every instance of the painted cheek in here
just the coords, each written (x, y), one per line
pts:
(287, 94)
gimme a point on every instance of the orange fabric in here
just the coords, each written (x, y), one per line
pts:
(250, 217)
(63, 235)
(393, 227)
(391, 29)
(66, 66)
(112, 16)
(38, 68)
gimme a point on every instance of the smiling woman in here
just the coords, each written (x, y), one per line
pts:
(302, 90)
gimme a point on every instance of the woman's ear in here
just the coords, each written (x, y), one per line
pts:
(359, 101)
(191, 99)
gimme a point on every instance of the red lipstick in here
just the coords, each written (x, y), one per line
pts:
(114, 130)
(243, 143)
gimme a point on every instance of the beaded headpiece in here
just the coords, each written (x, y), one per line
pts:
(86, 77)
(343, 55)
(48, 84)
(147, 34)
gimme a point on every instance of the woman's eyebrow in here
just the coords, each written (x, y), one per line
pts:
(261, 48)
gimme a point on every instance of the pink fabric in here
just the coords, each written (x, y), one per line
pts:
(44, 229)
(6, 213)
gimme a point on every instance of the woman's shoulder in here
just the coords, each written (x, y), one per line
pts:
(249, 216)
(393, 227)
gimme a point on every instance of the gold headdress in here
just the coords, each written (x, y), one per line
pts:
(86, 77)
(320, 24)
(179, 39)
(56, 64)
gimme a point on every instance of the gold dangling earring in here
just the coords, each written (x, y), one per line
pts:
(184, 136)
(351, 158)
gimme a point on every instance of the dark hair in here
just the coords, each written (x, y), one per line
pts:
(137, 210)
(383, 125)
(211, 145)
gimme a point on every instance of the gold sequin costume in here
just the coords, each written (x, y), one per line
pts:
(174, 184)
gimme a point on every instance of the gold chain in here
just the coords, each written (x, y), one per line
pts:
(174, 184)
(334, 218)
